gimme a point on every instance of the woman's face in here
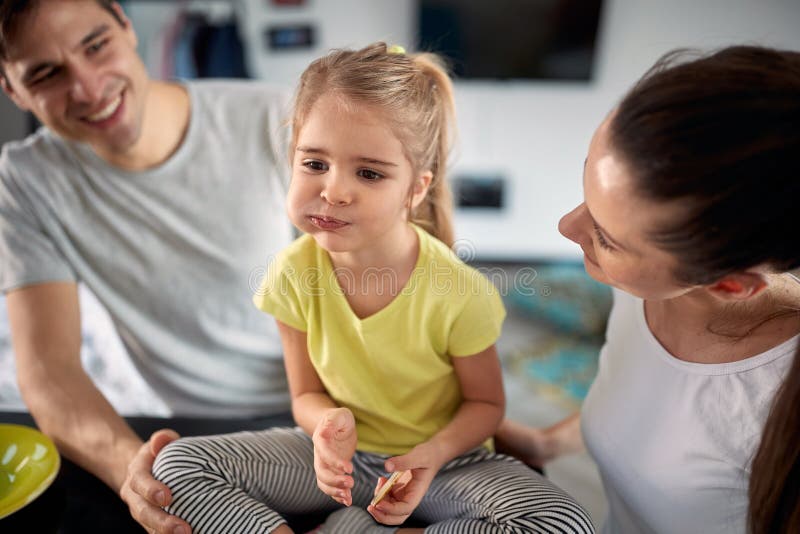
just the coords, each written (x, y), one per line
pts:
(612, 227)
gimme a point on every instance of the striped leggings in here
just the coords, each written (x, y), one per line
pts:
(243, 482)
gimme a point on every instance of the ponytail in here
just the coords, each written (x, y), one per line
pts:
(435, 213)
(775, 479)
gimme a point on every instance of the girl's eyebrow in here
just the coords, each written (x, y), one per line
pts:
(363, 159)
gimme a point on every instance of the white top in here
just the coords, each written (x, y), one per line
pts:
(175, 252)
(673, 440)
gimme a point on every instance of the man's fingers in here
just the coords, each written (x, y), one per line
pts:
(155, 519)
(160, 438)
(141, 480)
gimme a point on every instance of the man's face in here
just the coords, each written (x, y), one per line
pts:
(75, 67)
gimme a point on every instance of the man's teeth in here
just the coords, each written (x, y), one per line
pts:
(107, 111)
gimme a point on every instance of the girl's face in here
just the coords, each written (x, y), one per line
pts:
(352, 185)
(612, 227)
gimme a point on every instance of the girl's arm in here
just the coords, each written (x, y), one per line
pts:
(476, 420)
(332, 429)
(310, 401)
(481, 410)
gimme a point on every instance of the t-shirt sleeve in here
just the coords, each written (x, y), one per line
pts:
(279, 295)
(479, 323)
(28, 255)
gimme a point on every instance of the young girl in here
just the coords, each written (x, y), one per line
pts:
(388, 337)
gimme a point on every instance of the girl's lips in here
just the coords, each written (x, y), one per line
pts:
(326, 223)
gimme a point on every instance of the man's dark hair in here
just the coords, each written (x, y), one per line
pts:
(12, 12)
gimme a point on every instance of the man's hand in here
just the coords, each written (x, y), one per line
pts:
(144, 495)
(334, 445)
(423, 463)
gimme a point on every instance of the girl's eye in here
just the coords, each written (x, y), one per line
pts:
(315, 165)
(601, 239)
(370, 175)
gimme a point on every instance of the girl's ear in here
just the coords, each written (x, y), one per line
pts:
(420, 188)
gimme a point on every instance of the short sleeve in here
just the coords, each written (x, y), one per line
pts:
(479, 323)
(279, 295)
(28, 254)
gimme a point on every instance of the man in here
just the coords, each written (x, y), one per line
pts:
(164, 199)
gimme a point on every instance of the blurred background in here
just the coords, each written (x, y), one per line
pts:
(533, 80)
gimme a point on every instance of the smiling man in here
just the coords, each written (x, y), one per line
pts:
(162, 198)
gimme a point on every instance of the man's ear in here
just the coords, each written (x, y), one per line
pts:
(10, 93)
(126, 23)
(420, 188)
(738, 286)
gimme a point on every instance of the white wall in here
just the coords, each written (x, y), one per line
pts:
(534, 133)
(537, 133)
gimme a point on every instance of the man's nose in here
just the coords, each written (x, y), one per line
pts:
(86, 84)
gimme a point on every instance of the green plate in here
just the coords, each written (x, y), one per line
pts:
(29, 463)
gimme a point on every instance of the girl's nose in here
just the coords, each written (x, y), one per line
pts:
(336, 191)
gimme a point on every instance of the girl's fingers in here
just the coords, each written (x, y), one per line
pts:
(334, 480)
(343, 496)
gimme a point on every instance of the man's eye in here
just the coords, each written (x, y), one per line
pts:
(44, 77)
(97, 46)
(369, 174)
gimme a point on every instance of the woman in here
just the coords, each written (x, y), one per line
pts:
(689, 193)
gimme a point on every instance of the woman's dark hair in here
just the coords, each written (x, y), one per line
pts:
(12, 12)
(719, 135)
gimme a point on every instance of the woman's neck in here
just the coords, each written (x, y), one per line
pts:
(702, 328)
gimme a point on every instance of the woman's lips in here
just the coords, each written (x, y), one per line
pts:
(326, 223)
(590, 259)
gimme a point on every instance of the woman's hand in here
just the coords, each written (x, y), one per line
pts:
(334, 445)
(422, 462)
(537, 446)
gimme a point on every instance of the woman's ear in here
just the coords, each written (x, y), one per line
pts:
(420, 188)
(738, 286)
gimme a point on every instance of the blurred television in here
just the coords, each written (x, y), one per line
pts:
(513, 39)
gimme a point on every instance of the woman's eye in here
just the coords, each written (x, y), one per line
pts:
(601, 238)
(315, 165)
(369, 174)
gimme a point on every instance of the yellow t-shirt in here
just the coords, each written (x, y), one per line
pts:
(393, 369)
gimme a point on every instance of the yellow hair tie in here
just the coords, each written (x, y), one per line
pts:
(396, 49)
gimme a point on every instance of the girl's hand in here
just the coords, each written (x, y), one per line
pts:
(334, 445)
(404, 497)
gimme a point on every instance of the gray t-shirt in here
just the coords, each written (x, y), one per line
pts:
(174, 253)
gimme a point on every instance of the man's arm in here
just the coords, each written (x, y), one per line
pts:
(46, 335)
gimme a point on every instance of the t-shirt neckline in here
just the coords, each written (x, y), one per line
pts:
(770, 355)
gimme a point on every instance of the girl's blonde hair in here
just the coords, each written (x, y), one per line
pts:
(416, 95)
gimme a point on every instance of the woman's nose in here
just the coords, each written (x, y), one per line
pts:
(572, 224)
